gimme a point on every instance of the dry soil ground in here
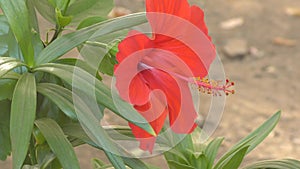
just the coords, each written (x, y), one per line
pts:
(267, 75)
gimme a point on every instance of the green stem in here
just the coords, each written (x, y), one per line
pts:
(32, 152)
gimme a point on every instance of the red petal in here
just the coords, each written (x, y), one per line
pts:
(139, 91)
(147, 141)
(179, 8)
(182, 113)
(197, 18)
(131, 51)
(135, 41)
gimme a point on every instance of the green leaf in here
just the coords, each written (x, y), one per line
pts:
(135, 163)
(80, 63)
(5, 146)
(58, 143)
(11, 75)
(253, 139)
(211, 151)
(44, 155)
(176, 165)
(45, 9)
(90, 21)
(23, 109)
(32, 16)
(6, 88)
(92, 127)
(4, 29)
(61, 96)
(69, 41)
(60, 4)
(7, 64)
(83, 81)
(235, 160)
(107, 64)
(90, 124)
(30, 167)
(261, 133)
(275, 164)
(97, 163)
(17, 15)
(4, 26)
(61, 20)
(201, 162)
(80, 9)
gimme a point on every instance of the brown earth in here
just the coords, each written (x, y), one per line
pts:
(266, 78)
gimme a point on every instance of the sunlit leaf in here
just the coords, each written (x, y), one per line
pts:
(7, 64)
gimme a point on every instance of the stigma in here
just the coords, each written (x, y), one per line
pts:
(213, 87)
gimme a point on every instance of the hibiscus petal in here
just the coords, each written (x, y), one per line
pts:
(197, 18)
(139, 91)
(179, 8)
(146, 140)
(134, 41)
(182, 113)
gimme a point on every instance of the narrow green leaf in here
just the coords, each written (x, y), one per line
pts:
(176, 165)
(45, 9)
(80, 63)
(211, 151)
(7, 64)
(61, 96)
(5, 146)
(58, 143)
(97, 163)
(30, 167)
(202, 162)
(69, 41)
(11, 75)
(90, 21)
(135, 163)
(60, 4)
(62, 20)
(18, 18)
(236, 159)
(107, 64)
(275, 164)
(90, 124)
(32, 16)
(6, 88)
(4, 26)
(253, 139)
(83, 81)
(23, 109)
(79, 9)
(261, 133)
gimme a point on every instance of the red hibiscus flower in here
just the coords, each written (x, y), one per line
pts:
(154, 73)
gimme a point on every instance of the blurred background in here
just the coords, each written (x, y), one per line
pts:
(259, 45)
